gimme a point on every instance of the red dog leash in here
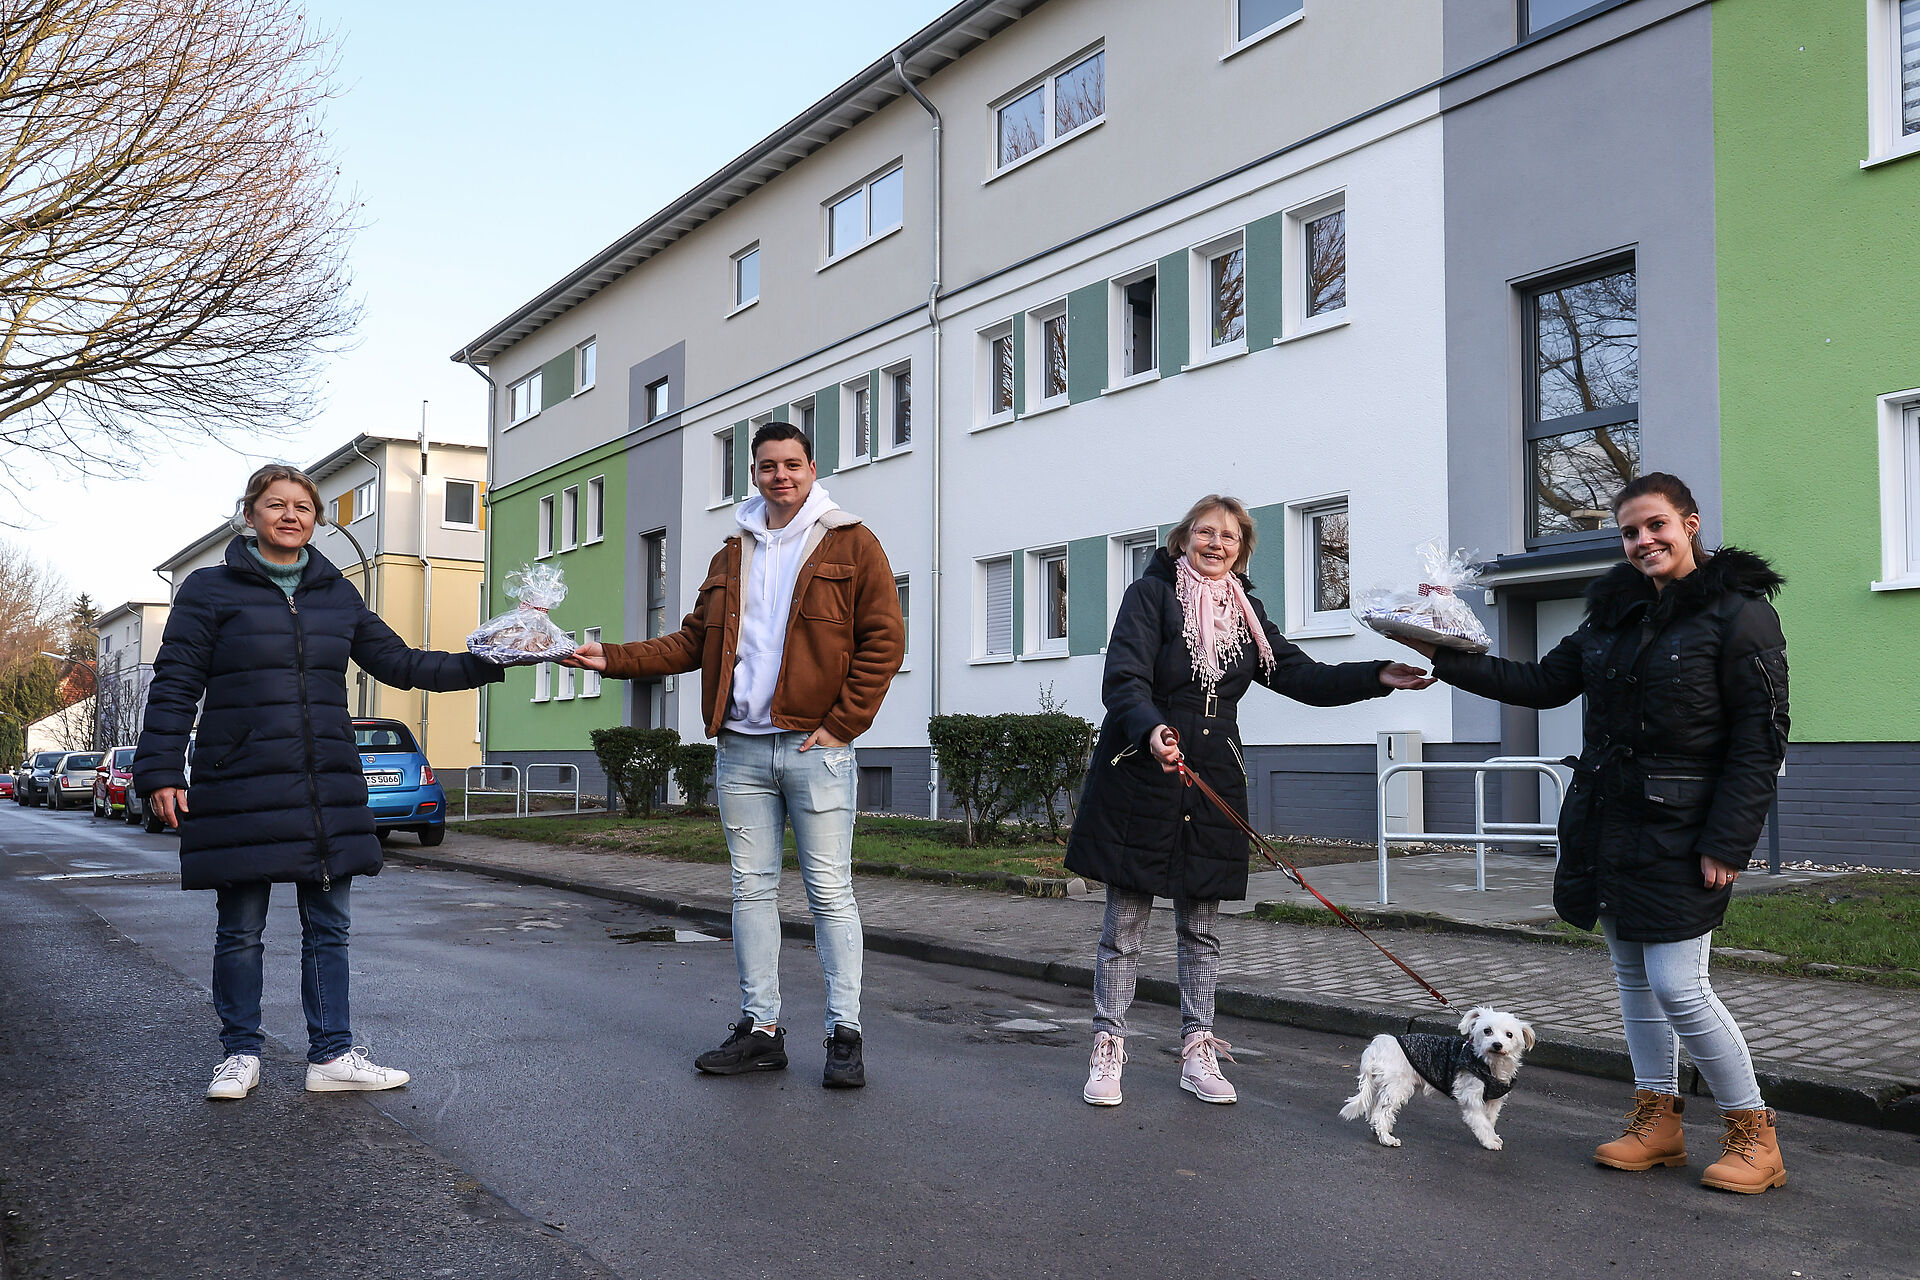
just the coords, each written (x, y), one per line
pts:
(1260, 842)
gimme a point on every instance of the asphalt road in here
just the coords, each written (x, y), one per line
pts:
(555, 1126)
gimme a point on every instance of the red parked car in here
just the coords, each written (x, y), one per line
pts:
(6, 786)
(111, 782)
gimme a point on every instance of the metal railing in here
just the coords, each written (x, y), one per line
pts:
(1485, 832)
(528, 790)
(468, 790)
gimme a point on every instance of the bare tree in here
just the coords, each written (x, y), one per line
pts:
(171, 246)
(34, 612)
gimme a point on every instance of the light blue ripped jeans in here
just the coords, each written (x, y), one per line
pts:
(765, 782)
(1666, 1001)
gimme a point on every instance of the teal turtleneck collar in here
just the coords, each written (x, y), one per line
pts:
(284, 576)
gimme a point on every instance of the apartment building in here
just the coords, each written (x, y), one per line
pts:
(127, 638)
(406, 524)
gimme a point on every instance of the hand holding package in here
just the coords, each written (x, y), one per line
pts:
(525, 633)
(1430, 609)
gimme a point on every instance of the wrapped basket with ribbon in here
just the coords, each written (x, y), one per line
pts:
(525, 633)
(1431, 609)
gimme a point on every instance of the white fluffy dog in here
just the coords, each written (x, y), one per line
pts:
(1475, 1069)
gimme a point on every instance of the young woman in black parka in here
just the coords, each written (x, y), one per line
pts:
(278, 793)
(1188, 642)
(1684, 668)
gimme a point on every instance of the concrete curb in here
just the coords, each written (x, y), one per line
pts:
(1829, 1096)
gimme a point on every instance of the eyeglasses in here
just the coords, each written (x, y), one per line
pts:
(1204, 534)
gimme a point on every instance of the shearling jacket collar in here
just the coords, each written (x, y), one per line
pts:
(1621, 589)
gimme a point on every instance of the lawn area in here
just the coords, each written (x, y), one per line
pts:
(915, 843)
(1868, 920)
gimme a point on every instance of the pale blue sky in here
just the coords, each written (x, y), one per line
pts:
(495, 146)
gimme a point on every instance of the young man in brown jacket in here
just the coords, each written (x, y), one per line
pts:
(796, 634)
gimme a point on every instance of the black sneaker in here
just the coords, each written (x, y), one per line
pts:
(746, 1050)
(845, 1069)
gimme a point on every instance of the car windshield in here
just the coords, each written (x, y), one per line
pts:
(46, 760)
(123, 758)
(81, 762)
(383, 735)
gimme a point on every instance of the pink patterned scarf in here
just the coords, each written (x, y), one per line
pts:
(1218, 620)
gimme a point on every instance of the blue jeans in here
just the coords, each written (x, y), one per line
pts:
(1666, 1001)
(237, 955)
(765, 782)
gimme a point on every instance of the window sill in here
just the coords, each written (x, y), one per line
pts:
(1319, 631)
(583, 390)
(593, 542)
(1219, 355)
(753, 302)
(1315, 325)
(1050, 406)
(1268, 34)
(461, 528)
(1037, 152)
(1128, 384)
(1048, 656)
(724, 502)
(999, 420)
(992, 660)
(852, 465)
(1899, 152)
(868, 243)
(1909, 583)
(517, 421)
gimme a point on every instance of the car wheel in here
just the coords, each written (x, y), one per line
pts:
(53, 799)
(96, 807)
(433, 835)
(383, 834)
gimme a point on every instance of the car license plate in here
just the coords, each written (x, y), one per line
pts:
(387, 778)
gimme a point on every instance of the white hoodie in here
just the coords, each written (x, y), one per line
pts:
(766, 602)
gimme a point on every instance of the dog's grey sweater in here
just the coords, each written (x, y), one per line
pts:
(1439, 1059)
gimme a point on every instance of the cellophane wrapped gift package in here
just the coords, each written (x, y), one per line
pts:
(1431, 608)
(525, 633)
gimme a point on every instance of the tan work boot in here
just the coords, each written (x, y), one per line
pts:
(1751, 1162)
(1653, 1135)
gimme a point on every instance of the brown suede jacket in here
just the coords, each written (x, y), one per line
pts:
(845, 638)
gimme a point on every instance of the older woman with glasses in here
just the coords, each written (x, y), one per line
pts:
(1189, 641)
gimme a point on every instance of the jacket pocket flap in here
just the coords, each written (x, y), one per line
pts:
(1676, 790)
(833, 569)
(717, 580)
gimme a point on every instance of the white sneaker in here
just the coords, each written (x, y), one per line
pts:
(236, 1077)
(1200, 1055)
(352, 1071)
(1103, 1070)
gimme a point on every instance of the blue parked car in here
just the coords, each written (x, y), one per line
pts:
(401, 788)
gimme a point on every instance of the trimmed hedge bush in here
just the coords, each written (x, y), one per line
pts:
(693, 766)
(637, 763)
(1008, 767)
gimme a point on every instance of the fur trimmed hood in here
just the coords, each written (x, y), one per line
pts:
(1727, 571)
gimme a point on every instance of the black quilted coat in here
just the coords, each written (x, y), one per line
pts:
(1141, 829)
(1686, 726)
(277, 792)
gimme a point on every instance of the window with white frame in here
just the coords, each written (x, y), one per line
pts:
(460, 506)
(996, 374)
(1135, 307)
(1047, 339)
(523, 398)
(1136, 553)
(1325, 568)
(653, 563)
(903, 589)
(1220, 297)
(898, 383)
(994, 587)
(570, 517)
(802, 412)
(857, 400)
(746, 276)
(546, 525)
(1255, 18)
(543, 681)
(363, 503)
(1899, 491)
(870, 210)
(1893, 78)
(333, 511)
(586, 358)
(1538, 15)
(1047, 571)
(1061, 104)
(589, 679)
(723, 466)
(656, 400)
(563, 684)
(1316, 265)
(596, 509)
(1581, 409)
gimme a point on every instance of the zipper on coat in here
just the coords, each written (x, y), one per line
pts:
(1773, 706)
(1244, 775)
(1124, 754)
(306, 723)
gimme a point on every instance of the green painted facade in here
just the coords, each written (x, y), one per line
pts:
(596, 574)
(1816, 263)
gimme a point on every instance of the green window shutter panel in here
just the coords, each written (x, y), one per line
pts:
(1166, 529)
(1269, 566)
(1086, 595)
(1087, 342)
(742, 455)
(826, 429)
(781, 413)
(556, 380)
(1019, 381)
(1265, 258)
(1019, 603)
(1171, 299)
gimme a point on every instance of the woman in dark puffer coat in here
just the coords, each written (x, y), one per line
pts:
(1684, 669)
(1187, 644)
(278, 793)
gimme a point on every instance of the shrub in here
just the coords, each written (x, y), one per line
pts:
(693, 766)
(637, 762)
(1011, 766)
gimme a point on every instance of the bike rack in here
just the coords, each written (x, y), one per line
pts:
(468, 790)
(528, 790)
(1486, 832)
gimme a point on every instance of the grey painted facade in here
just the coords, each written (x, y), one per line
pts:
(654, 495)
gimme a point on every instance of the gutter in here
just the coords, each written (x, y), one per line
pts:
(486, 544)
(368, 577)
(933, 322)
(426, 570)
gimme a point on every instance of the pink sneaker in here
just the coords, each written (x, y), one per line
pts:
(1200, 1055)
(1103, 1072)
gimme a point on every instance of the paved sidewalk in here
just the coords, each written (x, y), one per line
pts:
(1843, 1050)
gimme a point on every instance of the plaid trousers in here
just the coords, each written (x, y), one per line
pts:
(1116, 965)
